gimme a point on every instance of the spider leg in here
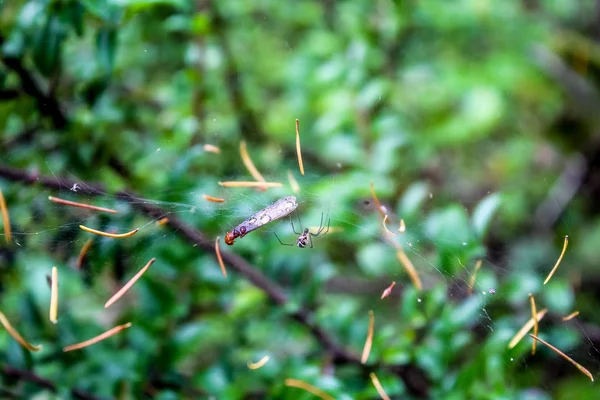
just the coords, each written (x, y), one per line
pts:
(320, 227)
(280, 242)
(293, 227)
(310, 240)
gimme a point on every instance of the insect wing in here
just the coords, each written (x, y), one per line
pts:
(275, 211)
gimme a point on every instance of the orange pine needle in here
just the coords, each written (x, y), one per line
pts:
(16, 335)
(219, 258)
(213, 199)
(378, 386)
(535, 321)
(53, 314)
(402, 227)
(388, 291)
(562, 253)
(5, 218)
(248, 162)
(526, 328)
(385, 218)
(369, 341)
(212, 148)
(129, 284)
(250, 184)
(566, 357)
(81, 205)
(474, 276)
(162, 221)
(298, 150)
(259, 363)
(293, 182)
(309, 388)
(571, 316)
(98, 338)
(410, 269)
(376, 200)
(110, 235)
(83, 253)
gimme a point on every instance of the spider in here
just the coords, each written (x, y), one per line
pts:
(306, 236)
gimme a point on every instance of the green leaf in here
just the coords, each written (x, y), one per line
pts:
(106, 39)
(483, 213)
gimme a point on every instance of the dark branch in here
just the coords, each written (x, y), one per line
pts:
(413, 377)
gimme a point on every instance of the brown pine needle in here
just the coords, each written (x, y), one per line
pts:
(298, 149)
(474, 276)
(258, 364)
(213, 199)
(212, 148)
(53, 314)
(410, 269)
(388, 291)
(566, 357)
(162, 221)
(378, 386)
(385, 218)
(98, 338)
(376, 200)
(16, 335)
(562, 253)
(129, 284)
(250, 184)
(83, 253)
(402, 227)
(81, 205)
(293, 182)
(219, 258)
(571, 316)
(309, 388)
(535, 322)
(110, 235)
(248, 162)
(5, 218)
(526, 328)
(369, 341)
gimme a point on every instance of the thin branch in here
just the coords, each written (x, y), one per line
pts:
(412, 376)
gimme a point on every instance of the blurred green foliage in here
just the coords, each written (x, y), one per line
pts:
(475, 120)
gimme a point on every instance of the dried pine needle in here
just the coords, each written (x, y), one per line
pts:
(571, 316)
(53, 314)
(219, 258)
(250, 184)
(402, 227)
(83, 253)
(535, 321)
(376, 200)
(259, 363)
(298, 149)
(309, 388)
(81, 205)
(566, 357)
(388, 291)
(474, 276)
(98, 338)
(562, 253)
(110, 235)
(385, 218)
(129, 284)
(526, 328)
(369, 341)
(213, 199)
(378, 386)
(16, 335)
(212, 148)
(5, 218)
(248, 162)
(293, 182)
(410, 268)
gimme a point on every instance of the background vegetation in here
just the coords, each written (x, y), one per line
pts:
(476, 121)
